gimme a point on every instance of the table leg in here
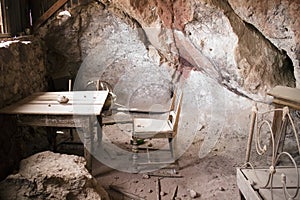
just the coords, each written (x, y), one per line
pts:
(99, 131)
(51, 136)
(276, 124)
(88, 144)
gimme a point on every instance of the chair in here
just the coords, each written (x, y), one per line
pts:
(103, 85)
(148, 128)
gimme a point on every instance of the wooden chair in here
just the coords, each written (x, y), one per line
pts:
(103, 85)
(148, 128)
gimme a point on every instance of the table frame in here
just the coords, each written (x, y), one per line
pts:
(61, 120)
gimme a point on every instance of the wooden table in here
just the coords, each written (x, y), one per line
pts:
(283, 96)
(286, 96)
(43, 109)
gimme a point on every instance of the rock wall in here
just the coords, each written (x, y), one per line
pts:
(232, 42)
(214, 38)
(22, 70)
(144, 48)
(22, 66)
(99, 44)
(277, 21)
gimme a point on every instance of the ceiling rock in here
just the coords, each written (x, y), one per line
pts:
(278, 21)
(213, 38)
(210, 36)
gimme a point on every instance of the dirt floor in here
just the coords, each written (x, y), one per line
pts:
(206, 169)
(211, 177)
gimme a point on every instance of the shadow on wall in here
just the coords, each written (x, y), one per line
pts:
(10, 151)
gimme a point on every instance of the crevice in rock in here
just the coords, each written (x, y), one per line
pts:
(265, 62)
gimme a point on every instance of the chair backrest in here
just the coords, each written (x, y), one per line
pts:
(172, 106)
(103, 85)
(99, 85)
(174, 113)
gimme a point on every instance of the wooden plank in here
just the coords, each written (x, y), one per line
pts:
(53, 121)
(81, 103)
(290, 104)
(73, 95)
(49, 13)
(245, 187)
(54, 109)
(5, 15)
(114, 119)
(288, 93)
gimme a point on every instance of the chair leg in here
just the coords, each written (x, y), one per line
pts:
(135, 154)
(173, 154)
(171, 147)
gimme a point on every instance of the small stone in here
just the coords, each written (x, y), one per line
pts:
(135, 181)
(221, 189)
(150, 145)
(150, 191)
(177, 198)
(146, 176)
(194, 194)
(162, 193)
(173, 171)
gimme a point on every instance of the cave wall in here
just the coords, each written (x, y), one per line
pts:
(214, 38)
(229, 41)
(22, 73)
(247, 47)
(277, 21)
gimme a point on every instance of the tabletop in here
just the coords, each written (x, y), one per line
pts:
(80, 103)
(287, 93)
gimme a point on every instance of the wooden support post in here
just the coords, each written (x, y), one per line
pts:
(57, 5)
(251, 131)
(70, 85)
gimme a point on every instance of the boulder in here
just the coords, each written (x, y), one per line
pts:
(49, 175)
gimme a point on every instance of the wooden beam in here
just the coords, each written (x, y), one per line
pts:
(57, 5)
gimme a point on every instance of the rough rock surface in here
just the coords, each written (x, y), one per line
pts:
(22, 72)
(50, 175)
(278, 21)
(213, 37)
(22, 69)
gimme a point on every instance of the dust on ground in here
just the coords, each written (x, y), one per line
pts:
(211, 177)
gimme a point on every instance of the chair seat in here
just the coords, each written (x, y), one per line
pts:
(152, 128)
